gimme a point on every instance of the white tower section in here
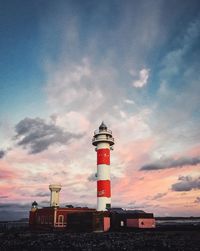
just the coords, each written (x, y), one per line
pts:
(55, 189)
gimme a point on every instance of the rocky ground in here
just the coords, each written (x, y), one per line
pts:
(135, 240)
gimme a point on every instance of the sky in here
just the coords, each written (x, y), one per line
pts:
(65, 67)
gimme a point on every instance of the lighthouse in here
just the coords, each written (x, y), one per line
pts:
(103, 141)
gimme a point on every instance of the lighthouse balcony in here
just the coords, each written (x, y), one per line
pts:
(107, 131)
(106, 139)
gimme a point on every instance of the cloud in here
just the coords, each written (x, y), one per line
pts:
(140, 205)
(129, 101)
(158, 196)
(178, 78)
(143, 78)
(2, 154)
(42, 194)
(174, 61)
(92, 177)
(44, 202)
(197, 200)
(6, 172)
(3, 197)
(171, 163)
(9, 215)
(39, 135)
(15, 206)
(13, 211)
(80, 90)
(187, 183)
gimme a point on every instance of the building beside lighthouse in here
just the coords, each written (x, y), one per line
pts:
(103, 218)
(54, 216)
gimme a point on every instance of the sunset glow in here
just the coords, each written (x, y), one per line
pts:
(66, 66)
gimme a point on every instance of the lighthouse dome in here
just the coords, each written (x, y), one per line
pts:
(103, 127)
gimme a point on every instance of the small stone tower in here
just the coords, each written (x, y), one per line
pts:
(55, 189)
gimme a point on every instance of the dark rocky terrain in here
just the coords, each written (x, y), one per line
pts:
(134, 240)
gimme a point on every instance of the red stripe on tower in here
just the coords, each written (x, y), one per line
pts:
(103, 156)
(103, 188)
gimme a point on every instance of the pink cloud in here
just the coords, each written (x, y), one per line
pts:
(7, 172)
(143, 186)
(134, 153)
(194, 151)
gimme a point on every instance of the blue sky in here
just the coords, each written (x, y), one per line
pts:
(67, 65)
(125, 35)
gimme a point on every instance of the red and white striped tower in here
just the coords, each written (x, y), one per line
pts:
(103, 141)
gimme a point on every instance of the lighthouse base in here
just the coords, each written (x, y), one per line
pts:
(103, 203)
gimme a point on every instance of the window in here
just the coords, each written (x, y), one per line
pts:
(107, 205)
(60, 219)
